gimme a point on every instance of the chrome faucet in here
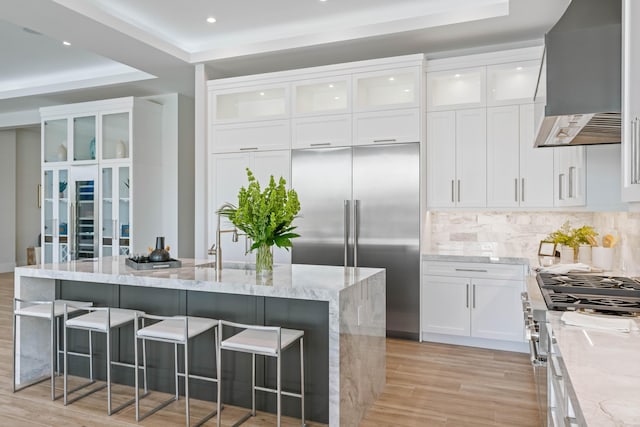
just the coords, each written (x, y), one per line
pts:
(216, 248)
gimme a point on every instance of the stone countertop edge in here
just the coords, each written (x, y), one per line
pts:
(476, 259)
(295, 281)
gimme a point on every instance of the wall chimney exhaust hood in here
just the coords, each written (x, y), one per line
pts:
(583, 54)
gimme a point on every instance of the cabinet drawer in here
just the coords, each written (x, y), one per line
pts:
(479, 270)
(323, 131)
(267, 135)
(387, 127)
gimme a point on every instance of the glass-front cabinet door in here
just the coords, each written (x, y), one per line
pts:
(84, 138)
(55, 236)
(115, 136)
(382, 90)
(322, 96)
(115, 238)
(55, 140)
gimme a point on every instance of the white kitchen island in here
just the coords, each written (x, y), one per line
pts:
(341, 310)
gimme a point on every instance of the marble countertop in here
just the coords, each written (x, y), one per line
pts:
(604, 371)
(477, 259)
(311, 282)
(602, 367)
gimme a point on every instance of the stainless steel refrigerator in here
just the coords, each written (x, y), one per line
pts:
(360, 206)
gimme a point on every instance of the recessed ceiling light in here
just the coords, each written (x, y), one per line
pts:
(336, 98)
(66, 43)
(331, 85)
(457, 76)
(518, 68)
(211, 20)
(391, 79)
(261, 93)
(322, 1)
(407, 90)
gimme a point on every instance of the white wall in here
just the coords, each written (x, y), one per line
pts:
(177, 173)
(27, 181)
(7, 200)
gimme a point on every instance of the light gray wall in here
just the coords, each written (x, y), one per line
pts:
(177, 171)
(7, 200)
(27, 181)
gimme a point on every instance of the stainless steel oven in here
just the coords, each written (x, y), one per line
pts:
(535, 330)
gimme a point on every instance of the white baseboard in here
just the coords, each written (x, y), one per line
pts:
(520, 347)
(6, 267)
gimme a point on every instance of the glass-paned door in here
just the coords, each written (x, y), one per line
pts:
(107, 239)
(124, 224)
(116, 212)
(55, 140)
(84, 138)
(55, 215)
(115, 136)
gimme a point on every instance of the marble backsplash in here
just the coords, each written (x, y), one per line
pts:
(518, 234)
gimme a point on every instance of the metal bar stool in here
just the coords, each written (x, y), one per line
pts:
(48, 310)
(103, 320)
(266, 341)
(175, 330)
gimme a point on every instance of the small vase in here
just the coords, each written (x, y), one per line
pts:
(61, 153)
(264, 260)
(567, 255)
(159, 254)
(121, 150)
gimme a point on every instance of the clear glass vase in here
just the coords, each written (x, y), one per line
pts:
(264, 260)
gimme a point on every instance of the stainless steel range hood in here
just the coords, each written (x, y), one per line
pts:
(583, 65)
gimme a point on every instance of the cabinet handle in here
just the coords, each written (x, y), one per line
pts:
(467, 295)
(516, 187)
(637, 144)
(473, 270)
(248, 148)
(458, 191)
(453, 191)
(572, 172)
(522, 191)
(560, 186)
(474, 296)
(632, 158)
(320, 144)
(385, 140)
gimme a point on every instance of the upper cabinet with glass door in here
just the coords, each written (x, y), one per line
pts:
(55, 142)
(84, 139)
(116, 132)
(455, 89)
(388, 89)
(512, 83)
(322, 96)
(251, 104)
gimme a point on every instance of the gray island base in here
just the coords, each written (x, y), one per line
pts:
(341, 311)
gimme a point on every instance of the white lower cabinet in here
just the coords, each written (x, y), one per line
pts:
(230, 174)
(560, 404)
(480, 302)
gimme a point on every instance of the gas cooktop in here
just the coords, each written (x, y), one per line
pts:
(607, 294)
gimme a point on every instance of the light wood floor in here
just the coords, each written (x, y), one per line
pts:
(427, 385)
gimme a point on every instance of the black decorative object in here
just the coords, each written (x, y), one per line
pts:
(159, 254)
(143, 263)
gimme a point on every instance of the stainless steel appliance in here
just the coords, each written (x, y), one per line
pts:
(583, 54)
(360, 206)
(535, 318)
(619, 296)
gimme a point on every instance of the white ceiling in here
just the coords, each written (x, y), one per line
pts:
(146, 47)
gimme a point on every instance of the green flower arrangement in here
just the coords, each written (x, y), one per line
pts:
(266, 217)
(573, 237)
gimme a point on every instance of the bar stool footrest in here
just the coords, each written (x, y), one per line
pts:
(282, 392)
(157, 408)
(243, 419)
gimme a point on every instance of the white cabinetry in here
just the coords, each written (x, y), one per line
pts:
(229, 171)
(569, 176)
(560, 395)
(630, 101)
(457, 158)
(512, 82)
(478, 303)
(518, 175)
(459, 88)
(88, 213)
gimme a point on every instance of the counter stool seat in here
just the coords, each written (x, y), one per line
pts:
(49, 310)
(268, 341)
(101, 320)
(176, 330)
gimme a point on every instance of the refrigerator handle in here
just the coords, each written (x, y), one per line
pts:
(346, 233)
(355, 232)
